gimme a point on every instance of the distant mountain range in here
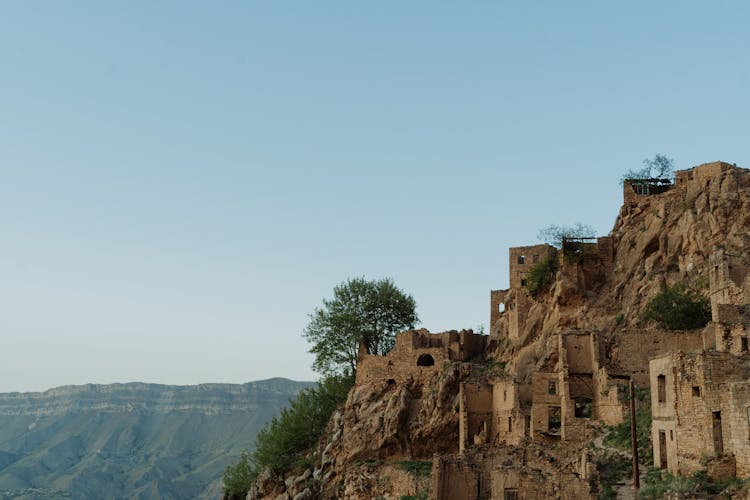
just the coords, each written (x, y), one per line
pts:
(131, 440)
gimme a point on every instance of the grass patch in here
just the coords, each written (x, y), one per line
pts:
(419, 468)
(618, 436)
(659, 483)
(422, 495)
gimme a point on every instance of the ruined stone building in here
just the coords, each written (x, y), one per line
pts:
(701, 400)
(418, 355)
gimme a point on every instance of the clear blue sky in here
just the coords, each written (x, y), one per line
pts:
(181, 183)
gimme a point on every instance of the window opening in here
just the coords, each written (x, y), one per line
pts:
(662, 450)
(554, 421)
(661, 381)
(521, 259)
(425, 360)
(718, 437)
(583, 407)
(552, 387)
(696, 391)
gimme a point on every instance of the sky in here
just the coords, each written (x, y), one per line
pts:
(182, 183)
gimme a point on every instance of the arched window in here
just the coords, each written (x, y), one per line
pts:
(391, 382)
(425, 360)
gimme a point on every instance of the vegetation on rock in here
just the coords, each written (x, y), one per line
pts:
(282, 443)
(371, 312)
(659, 167)
(679, 308)
(554, 234)
(618, 436)
(540, 275)
(659, 484)
(239, 477)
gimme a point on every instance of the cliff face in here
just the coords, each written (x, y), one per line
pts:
(131, 440)
(509, 419)
(657, 240)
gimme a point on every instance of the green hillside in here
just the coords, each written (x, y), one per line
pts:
(131, 440)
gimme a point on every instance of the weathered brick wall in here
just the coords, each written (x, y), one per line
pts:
(475, 414)
(402, 363)
(738, 409)
(729, 283)
(454, 480)
(605, 250)
(497, 297)
(523, 258)
(457, 479)
(519, 311)
(578, 352)
(543, 400)
(700, 386)
(663, 413)
(509, 423)
(634, 348)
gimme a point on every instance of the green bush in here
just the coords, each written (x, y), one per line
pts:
(659, 483)
(618, 436)
(283, 441)
(421, 495)
(679, 308)
(612, 468)
(239, 477)
(419, 468)
(541, 274)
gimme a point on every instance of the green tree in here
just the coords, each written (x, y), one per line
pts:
(371, 312)
(239, 477)
(284, 441)
(554, 234)
(679, 308)
(659, 167)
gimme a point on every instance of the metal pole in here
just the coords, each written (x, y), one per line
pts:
(634, 438)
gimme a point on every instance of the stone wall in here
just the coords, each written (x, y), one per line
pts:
(418, 355)
(509, 422)
(634, 349)
(470, 478)
(475, 414)
(701, 407)
(523, 258)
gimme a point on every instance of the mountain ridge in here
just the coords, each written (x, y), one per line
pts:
(131, 440)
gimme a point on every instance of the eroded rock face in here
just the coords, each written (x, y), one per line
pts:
(380, 426)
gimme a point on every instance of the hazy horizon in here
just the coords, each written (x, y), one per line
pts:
(182, 183)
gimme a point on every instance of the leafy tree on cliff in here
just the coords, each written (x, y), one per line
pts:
(554, 234)
(659, 167)
(367, 311)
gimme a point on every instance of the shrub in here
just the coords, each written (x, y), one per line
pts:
(239, 477)
(283, 441)
(679, 308)
(421, 495)
(658, 483)
(618, 436)
(540, 275)
(612, 468)
(419, 468)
